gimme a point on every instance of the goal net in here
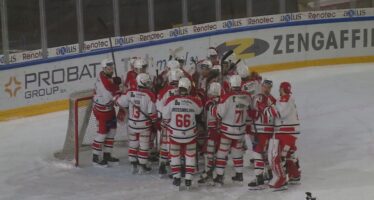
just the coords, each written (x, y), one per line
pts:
(82, 129)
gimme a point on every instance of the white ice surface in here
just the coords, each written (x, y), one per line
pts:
(336, 149)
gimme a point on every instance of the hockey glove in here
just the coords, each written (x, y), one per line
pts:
(117, 80)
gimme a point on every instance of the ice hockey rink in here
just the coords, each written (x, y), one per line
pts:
(336, 150)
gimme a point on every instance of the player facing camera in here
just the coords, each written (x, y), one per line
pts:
(108, 70)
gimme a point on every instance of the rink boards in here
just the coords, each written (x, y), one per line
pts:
(31, 85)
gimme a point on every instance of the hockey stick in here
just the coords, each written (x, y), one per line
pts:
(224, 57)
(110, 43)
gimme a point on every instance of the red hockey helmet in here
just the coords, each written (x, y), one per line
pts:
(286, 86)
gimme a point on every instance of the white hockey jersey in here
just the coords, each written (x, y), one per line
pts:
(141, 107)
(232, 110)
(105, 90)
(179, 114)
(210, 109)
(163, 95)
(288, 120)
(264, 120)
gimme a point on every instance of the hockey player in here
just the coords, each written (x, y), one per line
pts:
(140, 106)
(204, 77)
(228, 70)
(161, 80)
(266, 87)
(214, 93)
(213, 56)
(130, 78)
(232, 111)
(106, 87)
(282, 148)
(251, 82)
(171, 89)
(263, 129)
(138, 65)
(180, 116)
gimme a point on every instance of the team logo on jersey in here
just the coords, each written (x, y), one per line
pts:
(244, 48)
(12, 86)
(177, 103)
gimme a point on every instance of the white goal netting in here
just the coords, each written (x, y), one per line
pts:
(82, 128)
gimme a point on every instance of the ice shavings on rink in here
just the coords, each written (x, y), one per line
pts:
(336, 150)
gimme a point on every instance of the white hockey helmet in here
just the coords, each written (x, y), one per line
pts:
(214, 89)
(206, 64)
(140, 63)
(143, 80)
(235, 81)
(175, 75)
(107, 62)
(107, 65)
(184, 83)
(212, 52)
(173, 64)
(242, 71)
(132, 61)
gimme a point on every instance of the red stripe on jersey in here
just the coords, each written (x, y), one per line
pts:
(286, 129)
(164, 153)
(190, 170)
(259, 163)
(220, 162)
(269, 129)
(96, 145)
(133, 152)
(143, 153)
(238, 161)
(109, 142)
(175, 169)
(224, 128)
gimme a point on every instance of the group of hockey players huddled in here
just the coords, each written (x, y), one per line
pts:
(201, 110)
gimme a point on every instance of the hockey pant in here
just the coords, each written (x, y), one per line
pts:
(259, 152)
(106, 130)
(188, 150)
(283, 160)
(237, 152)
(139, 145)
(105, 121)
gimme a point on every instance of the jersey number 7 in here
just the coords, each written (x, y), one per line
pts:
(239, 116)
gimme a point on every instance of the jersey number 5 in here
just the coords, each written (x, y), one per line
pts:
(183, 120)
